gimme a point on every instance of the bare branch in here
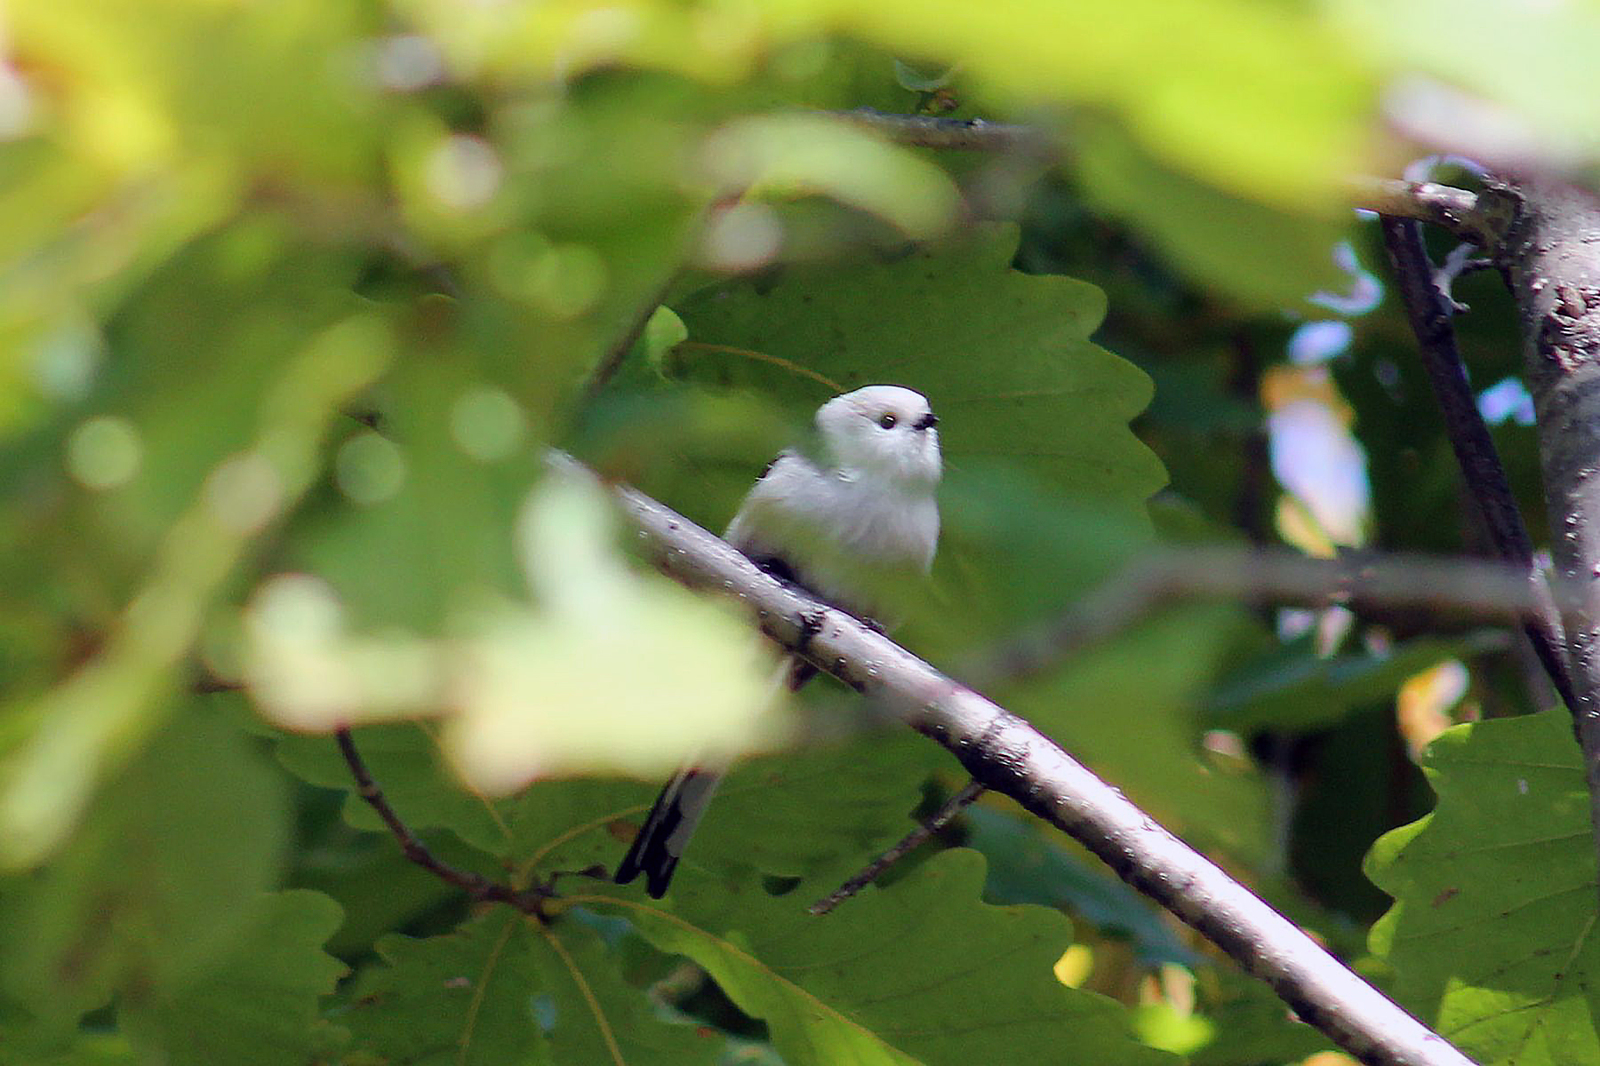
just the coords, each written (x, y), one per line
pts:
(1430, 311)
(1457, 210)
(1474, 589)
(962, 134)
(1005, 754)
(903, 847)
(529, 901)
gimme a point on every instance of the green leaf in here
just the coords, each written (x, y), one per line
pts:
(1028, 863)
(1534, 71)
(919, 972)
(503, 988)
(1292, 688)
(1196, 225)
(1000, 355)
(1492, 934)
(103, 711)
(257, 1006)
(158, 881)
(406, 762)
(600, 1018)
(781, 156)
(463, 999)
(1043, 474)
(24, 1042)
(1145, 737)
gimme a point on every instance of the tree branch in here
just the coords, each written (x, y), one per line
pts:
(962, 134)
(1554, 274)
(529, 901)
(1480, 590)
(1430, 311)
(900, 849)
(1004, 753)
(1457, 210)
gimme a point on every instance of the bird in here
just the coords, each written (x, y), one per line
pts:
(850, 517)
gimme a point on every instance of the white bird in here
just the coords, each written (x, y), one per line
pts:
(849, 520)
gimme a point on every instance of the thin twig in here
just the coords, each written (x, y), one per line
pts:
(922, 831)
(1457, 210)
(1005, 754)
(1458, 264)
(1430, 311)
(529, 901)
(960, 134)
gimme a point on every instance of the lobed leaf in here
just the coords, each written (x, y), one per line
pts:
(1492, 933)
(257, 1006)
(919, 972)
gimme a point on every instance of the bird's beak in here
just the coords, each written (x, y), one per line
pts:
(927, 421)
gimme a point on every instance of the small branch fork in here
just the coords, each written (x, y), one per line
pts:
(529, 900)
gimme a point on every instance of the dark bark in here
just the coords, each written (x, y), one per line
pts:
(1430, 310)
(1550, 256)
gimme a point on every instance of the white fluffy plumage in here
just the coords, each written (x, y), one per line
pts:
(848, 523)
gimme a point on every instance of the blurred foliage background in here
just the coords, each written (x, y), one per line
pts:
(293, 298)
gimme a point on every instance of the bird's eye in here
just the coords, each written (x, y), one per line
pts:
(887, 420)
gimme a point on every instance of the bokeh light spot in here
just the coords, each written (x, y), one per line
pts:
(463, 172)
(104, 452)
(487, 423)
(245, 492)
(368, 468)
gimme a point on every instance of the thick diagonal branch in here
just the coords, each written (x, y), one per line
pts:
(1430, 311)
(1006, 754)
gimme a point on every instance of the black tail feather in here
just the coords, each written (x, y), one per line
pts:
(653, 851)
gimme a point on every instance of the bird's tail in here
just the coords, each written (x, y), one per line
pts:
(659, 845)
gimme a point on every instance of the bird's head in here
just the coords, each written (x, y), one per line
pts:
(882, 430)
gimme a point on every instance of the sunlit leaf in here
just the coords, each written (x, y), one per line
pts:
(798, 154)
(1492, 932)
(533, 693)
(868, 984)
